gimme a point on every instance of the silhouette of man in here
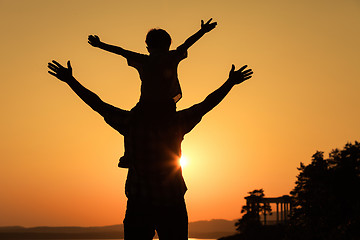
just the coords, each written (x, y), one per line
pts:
(155, 186)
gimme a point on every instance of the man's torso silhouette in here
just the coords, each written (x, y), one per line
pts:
(155, 186)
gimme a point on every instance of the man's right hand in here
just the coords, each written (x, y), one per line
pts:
(94, 40)
(60, 72)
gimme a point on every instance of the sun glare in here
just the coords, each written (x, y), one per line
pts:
(183, 161)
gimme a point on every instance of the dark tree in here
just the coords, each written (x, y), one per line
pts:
(326, 196)
(250, 221)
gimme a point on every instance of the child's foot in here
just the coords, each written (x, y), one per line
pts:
(123, 162)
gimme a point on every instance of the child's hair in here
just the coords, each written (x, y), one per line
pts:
(158, 38)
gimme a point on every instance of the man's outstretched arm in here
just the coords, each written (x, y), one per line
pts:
(205, 27)
(94, 41)
(235, 77)
(90, 98)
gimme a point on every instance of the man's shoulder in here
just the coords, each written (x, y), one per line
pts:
(188, 118)
(189, 110)
(118, 119)
(190, 113)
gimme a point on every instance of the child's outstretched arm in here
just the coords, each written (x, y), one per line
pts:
(94, 41)
(205, 27)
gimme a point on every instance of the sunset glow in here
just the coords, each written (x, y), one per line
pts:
(59, 158)
(183, 161)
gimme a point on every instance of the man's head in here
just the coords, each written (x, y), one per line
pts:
(158, 40)
(156, 110)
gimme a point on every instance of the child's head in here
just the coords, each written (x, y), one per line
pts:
(158, 39)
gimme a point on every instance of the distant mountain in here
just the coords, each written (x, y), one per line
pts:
(16, 232)
(215, 228)
(201, 229)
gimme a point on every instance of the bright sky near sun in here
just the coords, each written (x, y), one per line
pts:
(58, 158)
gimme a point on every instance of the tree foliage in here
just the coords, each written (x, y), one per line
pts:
(250, 221)
(326, 196)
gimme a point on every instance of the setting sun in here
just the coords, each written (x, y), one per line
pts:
(183, 161)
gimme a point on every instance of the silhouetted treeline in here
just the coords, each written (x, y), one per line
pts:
(326, 203)
(326, 196)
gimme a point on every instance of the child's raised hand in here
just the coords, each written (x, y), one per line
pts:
(94, 40)
(207, 27)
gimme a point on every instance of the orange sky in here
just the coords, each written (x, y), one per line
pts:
(59, 158)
